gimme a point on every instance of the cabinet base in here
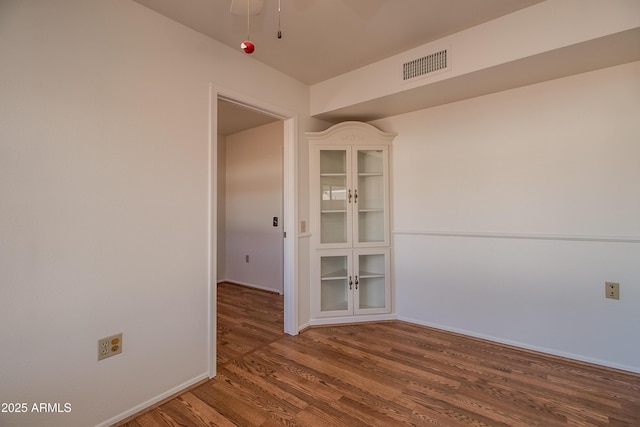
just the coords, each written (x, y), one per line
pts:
(321, 321)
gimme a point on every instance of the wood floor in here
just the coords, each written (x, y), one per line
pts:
(386, 374)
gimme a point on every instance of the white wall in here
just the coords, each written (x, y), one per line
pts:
(253, 197)
(511, 211)
(104, 184)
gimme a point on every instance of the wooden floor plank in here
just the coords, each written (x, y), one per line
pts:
(386, 374)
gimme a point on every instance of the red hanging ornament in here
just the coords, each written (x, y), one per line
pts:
(248, 46)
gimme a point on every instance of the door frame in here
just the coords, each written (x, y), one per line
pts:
(290, 211)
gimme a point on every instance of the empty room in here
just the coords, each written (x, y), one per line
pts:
(319, 212)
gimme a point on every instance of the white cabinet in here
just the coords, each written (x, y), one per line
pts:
(349, 180)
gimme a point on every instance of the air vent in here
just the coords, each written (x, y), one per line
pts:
(427, 64)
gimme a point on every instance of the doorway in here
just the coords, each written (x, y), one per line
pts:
(250, 187)
(287, 221)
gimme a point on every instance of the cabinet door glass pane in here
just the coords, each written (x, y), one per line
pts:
(333, 227)
(370, 200)
(333, 196)
(333, 161)
(333, 191)
(370, 226)
(372, 282)
(333, 283)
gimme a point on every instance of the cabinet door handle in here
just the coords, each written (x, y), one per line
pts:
(357, 283)
(350, 283)
(349, 196)
(355, 196)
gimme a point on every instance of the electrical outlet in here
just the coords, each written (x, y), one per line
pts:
(109, 346)
(612, 290)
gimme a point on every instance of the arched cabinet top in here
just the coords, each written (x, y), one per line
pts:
(352, 132)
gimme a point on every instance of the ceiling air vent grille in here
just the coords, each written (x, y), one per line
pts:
(427, 64)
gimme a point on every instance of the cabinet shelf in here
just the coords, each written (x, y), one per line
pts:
(338, 306)
(370, 174)
(372, 276)
(368, 306)
(333, 174)
(333, 211)
(336, 276)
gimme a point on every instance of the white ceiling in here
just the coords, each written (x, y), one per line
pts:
(234, 118)
(325, 38)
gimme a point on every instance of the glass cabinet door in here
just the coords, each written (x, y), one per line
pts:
(372, 290)
(335, 282)
(333, 196)
(369, 197)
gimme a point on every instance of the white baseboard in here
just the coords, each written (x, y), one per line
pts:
(153, 401)
(519, 344)
(251, 285)
(321, 321)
